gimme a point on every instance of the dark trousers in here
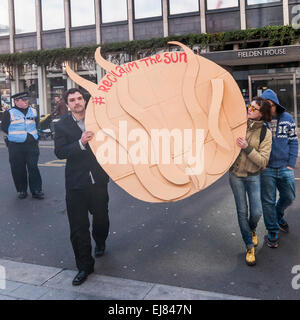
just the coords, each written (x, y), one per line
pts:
(24, 157)
(92, 199)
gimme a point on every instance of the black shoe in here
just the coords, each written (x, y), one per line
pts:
(99, 251)
(38, 195)
(80, 277)
(22, 195)
(284, 227)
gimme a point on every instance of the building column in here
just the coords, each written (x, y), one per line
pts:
(11, 26)
(70, 83)
(99, 70)
(42, 81)
(165, 18)
(14, 84)
(38, 21)
(203, 16)
(42, 103)
(286, 14)
(67, 23)
(243, 14)
(130, 19)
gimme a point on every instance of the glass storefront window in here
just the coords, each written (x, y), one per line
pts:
(24, 16)
(251, 2)
(50, 9)
(147, 8)
(82, 13)
(4, 23)
(179, 6)
(221, 4)
(4, 91)
(109, 12)
(87, 70)
(29, 82)
(56, 85)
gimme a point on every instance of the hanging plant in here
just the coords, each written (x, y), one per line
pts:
(266, 36)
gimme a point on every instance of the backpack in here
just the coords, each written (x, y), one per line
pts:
(263, 132)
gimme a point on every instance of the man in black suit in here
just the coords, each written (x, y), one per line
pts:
(86, 185)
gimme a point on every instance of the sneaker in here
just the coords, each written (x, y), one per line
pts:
(250, 257)
(273, 240)
(254, 238)
(284, 227)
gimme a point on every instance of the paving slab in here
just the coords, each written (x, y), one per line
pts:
(7, 298)
(28, 273)
(57, 294)
(28, 292)
(10, 286)
(103, 287)
(164, 292)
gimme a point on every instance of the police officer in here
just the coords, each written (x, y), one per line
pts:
(20, 124)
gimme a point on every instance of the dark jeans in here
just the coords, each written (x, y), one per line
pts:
(92, 199)
(24, 157)
(282, 179)
(241, 187)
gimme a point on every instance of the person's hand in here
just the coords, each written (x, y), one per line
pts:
(86, 137)
(242, 143)
(290, 168)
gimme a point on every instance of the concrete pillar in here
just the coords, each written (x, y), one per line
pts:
(38, 19)
(203, 16)
(243, 14)
(286, 14)
(165, 18)
(67, 23)
(43, 107)
(98, 21)
(99, 70)
(130, 19)
(11, 26)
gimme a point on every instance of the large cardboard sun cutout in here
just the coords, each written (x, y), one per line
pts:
(165, 126)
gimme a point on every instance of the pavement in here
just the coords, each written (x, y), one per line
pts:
(189, 250)
(26, 281)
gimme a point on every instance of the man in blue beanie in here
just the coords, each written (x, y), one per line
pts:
(279, 173)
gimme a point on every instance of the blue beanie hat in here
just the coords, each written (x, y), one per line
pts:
(271, 95)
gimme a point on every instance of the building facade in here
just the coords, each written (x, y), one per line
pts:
(30, 25)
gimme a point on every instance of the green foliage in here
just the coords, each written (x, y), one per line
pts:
(266, 36)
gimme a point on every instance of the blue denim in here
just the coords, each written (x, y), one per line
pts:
(243, 187)
(282, 179)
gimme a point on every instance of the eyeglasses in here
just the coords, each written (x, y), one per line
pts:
(252, 108)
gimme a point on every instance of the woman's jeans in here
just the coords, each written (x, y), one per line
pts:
(251, 186)
(282, 179)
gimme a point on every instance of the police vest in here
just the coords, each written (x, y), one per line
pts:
(20, 125)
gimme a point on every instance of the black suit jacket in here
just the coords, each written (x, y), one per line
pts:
(79, 162)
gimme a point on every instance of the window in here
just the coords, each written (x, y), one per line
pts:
(4, 25)
(147, 8)
(221, 4)
(50, 9)
(179, 6)
(82, 13)
(113, 10)
(25, 16)
(250, 2)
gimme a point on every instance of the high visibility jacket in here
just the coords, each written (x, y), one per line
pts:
(20, 125)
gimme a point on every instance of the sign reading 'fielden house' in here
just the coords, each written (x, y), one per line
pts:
(262, 53)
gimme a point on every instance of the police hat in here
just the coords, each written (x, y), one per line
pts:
(20, 95)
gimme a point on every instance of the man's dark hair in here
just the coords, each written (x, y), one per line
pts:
(72, 91)
(265, 108)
